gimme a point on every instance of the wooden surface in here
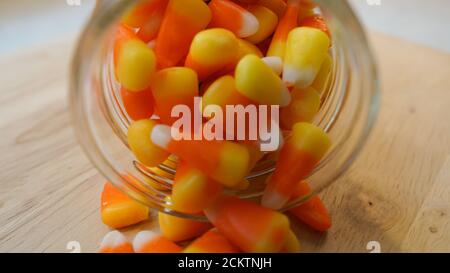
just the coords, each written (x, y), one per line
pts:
(397, 193)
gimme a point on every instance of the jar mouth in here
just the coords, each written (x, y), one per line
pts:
(353, 82)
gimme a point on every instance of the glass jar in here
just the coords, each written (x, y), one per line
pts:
(349, 108)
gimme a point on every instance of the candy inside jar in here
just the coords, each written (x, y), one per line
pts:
(299, 79)
(222, 61)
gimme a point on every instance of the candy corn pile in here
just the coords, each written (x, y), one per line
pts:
(240, 52)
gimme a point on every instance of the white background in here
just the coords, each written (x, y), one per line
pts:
(27, 23)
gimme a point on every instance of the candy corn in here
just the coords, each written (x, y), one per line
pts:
(306, 50)
(245, 48)
(315, 21)
(115, 242)
(268, 21)
(313, 212)
(276, 63)
(304, 106)
(193, 190)
(139, 15)
(211, 51)
(222, 92)
(134, 61)
(323, 75)
(151, 242)
(183, 19)
(287, 23)
(302, 150)
(211, 242)
(291, 245)
(171, 87)
(226, 14)
(249, 226)
(138, 105)
(277, 6)
(179, 229)
(118, 210)
(259, 83)
(141, 145)
(149, 31)
(224, 161)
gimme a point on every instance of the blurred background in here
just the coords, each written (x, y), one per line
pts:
(25, 23)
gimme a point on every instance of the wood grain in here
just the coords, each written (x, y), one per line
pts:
(396, 193)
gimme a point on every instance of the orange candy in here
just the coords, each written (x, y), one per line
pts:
(147, 16)
(150, 242)
(302, 151)
(138, 105)
(179, 229)
(315, 21)
(248, 225)
(226, 14)
(118, 210)
(173, 86)
(211, 242)
(313, 212)
(182, 20)
(287, 23)
(139, 15)
(115, 242)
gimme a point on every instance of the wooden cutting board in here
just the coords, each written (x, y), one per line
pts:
(397, 193)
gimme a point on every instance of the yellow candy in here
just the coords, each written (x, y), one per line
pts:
(258, 82)
(291, 245)
(118, 210)
(141, 145)
(304, 106)
(268, 21)
(173, 86)
(180, 229)
(136, 64)
(306, 50)
(193, 191)
(324, 75)
(245, 48)
(277, 6)
(222, 92)
(242, 186)
(211, 51)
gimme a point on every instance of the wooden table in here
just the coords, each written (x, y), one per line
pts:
(397, 193)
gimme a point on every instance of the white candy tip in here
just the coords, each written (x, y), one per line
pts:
(290, 76)
(160, 136)
(250, 25)
(112, 239)
(273, 200)
(274, 62)
(142, 238)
